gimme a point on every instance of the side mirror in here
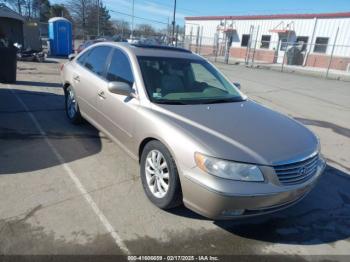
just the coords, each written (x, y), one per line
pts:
(238, 85)
(121, 88)
(71, 57)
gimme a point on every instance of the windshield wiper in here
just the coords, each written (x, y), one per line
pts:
(221, 100)
(170, 102)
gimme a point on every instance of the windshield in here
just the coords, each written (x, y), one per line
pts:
(185, 81)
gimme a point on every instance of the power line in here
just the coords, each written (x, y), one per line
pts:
(170, 6)
(138, 17)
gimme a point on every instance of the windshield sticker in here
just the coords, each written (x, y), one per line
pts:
(157, 95)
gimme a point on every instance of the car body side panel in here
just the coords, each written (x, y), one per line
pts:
(117, 115)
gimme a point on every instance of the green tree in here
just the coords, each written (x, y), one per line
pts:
(105, 26)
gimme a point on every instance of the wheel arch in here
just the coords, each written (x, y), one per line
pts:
(148, 139)
(65, 86)
(143, 143)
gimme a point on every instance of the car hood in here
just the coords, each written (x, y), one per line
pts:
(242, 131)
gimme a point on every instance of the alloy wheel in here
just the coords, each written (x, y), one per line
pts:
(157, 173)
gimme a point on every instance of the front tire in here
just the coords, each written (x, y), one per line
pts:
(159, 175)
(72, 108)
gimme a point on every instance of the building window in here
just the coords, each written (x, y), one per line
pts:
(284, 44)
(321, 45)
(265, 41)
(245, 40)
(303, 40)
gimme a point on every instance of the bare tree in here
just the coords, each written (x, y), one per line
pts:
(79, 11)
(31, 9)
(145, 30)
(122, 28)
(17, 5)
(60, 10)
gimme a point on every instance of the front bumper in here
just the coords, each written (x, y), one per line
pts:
(218, 198)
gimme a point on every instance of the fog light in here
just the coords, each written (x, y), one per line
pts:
(236, 212)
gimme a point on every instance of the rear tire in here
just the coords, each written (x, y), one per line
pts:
(72, 108)
(159, 176)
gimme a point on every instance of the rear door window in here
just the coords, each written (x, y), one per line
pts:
(97, 59)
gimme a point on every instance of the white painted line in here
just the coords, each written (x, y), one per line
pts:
(75, 179)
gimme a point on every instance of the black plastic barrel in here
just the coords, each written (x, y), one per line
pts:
(8, 65)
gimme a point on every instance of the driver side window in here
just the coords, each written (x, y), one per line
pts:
(96, 60)
(119, 69)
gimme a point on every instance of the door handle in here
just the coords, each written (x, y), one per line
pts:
(101, 94)
(76, 78)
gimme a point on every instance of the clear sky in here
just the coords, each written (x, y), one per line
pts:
(158, 11)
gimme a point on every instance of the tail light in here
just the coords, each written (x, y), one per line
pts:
(61, 67)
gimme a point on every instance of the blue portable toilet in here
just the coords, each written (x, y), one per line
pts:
(60, 36)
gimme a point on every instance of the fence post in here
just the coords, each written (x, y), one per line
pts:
(190, 45)
(197, 39)
(200, 40)
(227, 49)
(330, 59)
(284, 56)
(255, 45)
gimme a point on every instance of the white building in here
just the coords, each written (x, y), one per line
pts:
(269, 36)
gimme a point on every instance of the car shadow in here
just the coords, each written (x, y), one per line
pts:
(322, 217)
(25, 148)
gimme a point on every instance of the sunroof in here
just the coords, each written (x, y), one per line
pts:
(170, 48)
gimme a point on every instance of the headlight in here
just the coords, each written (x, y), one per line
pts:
(228, 169)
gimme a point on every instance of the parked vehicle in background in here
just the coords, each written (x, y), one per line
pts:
(199, 140)
(30, 55)
(88, 43)
(134, 40)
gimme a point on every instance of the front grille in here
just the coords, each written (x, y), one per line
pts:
(297, 173)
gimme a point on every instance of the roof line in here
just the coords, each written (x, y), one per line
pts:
(275, 16)
(170, 48)
(15, 16)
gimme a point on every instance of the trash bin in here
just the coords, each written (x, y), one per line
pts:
(8, 64)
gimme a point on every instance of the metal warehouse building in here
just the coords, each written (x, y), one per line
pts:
(266, 38)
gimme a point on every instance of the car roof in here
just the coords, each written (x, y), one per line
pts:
(155, 51)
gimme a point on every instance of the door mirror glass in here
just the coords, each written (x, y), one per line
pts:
(238, 85)
(120, 88)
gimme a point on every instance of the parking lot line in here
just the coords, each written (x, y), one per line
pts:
(119, 242)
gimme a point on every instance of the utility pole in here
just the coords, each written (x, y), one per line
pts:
(98, 18)
(168, 31)
(132, 19)
(173, 34)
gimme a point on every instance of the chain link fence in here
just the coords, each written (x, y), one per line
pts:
(326, 60)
